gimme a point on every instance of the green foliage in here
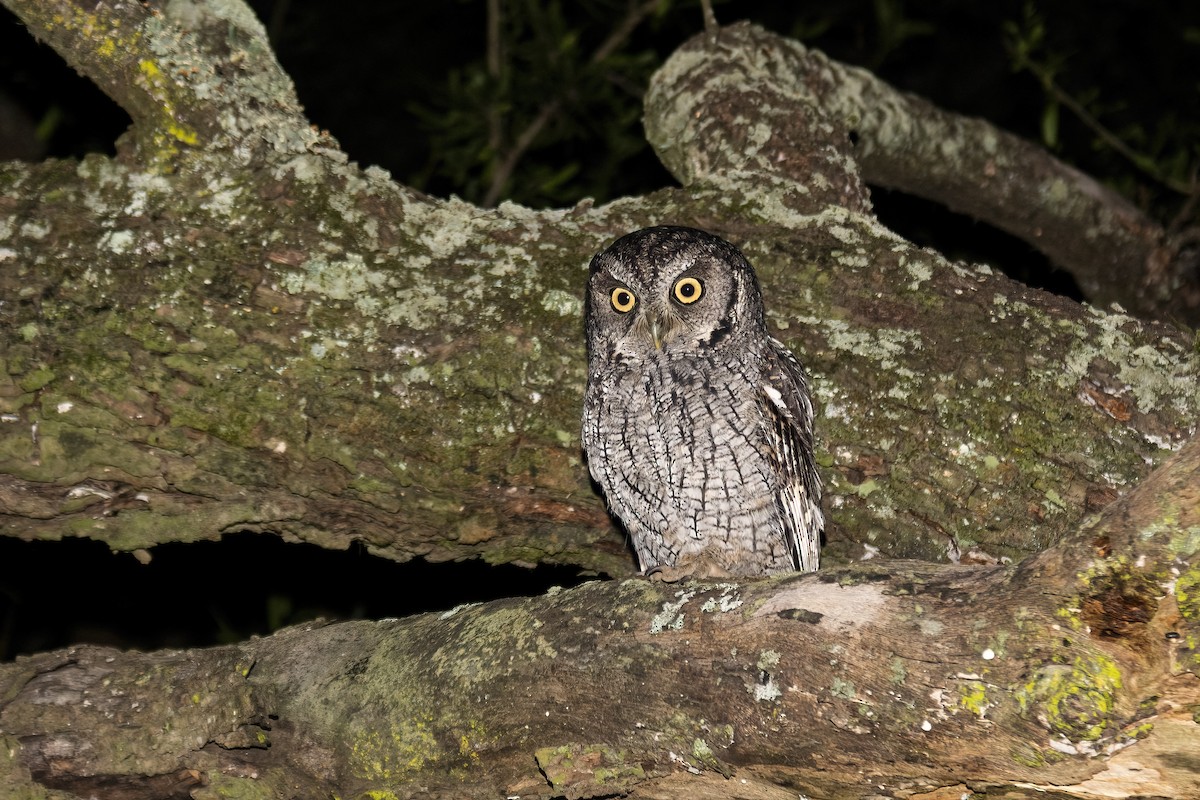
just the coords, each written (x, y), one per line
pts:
(895, 27)
(550, 111)
(1130, 141)
(546, 110)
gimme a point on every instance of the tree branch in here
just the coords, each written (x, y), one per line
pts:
(1073, 672)
(305, 348)
(206, 78)
(903, 142)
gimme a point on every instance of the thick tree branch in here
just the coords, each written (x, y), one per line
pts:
(190, 75)
(972, 167)
(306, 348)
(904, 142)
(1075, 672)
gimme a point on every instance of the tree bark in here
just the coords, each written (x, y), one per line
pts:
(205, 337)
(1074, 673)
(900, 141)
(231, 327)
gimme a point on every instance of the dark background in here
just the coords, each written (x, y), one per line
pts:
(407, 86)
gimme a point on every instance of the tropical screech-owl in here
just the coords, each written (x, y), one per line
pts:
(697, 425)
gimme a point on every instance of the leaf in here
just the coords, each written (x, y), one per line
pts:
(1050, 124)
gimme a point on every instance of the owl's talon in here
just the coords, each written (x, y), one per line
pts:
(691, 569)
(663, 574)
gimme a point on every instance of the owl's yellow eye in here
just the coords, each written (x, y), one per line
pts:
(688, 290)
(623, 300)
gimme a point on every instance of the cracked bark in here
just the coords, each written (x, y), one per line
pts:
(1072, 673)
(230, 327)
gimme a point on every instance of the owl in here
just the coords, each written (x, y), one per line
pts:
(697, 425)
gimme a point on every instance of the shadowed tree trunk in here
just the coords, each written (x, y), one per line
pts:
(229, 326)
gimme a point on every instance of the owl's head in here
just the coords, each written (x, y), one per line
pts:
(672, 290)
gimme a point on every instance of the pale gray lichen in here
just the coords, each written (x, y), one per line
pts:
(35, 230)
(886, 346)
(670, 616)
(1150, 375)
(457, 609)
(765, 688)
(768, 660)
(729, 600)
(562, 303)
(843, 688)
(118, 242)
(920, 271)
(930, 627)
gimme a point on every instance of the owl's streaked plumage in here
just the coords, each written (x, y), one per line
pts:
(697, 425)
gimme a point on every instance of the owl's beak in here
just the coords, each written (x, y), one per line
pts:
(658, 326)
(657, 331)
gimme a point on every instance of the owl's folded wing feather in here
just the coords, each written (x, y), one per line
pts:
(789, 415)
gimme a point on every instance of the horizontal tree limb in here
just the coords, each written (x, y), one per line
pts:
(1075, 669)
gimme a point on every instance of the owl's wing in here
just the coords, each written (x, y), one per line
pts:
(787, 407)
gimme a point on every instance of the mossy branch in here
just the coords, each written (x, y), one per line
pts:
(751, 97)
(190, 75)
(303, 347)
(1075, 671)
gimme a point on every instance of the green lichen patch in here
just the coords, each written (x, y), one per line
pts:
(1187, 594)
(1077, 701)
(36, 379)
(843, 689)
(514, 633)
(406, 747)
(66, 450)
(1027, 755)
(703, 755)
(470, 741)
(219, 786)
(579, 770)
(972, 696)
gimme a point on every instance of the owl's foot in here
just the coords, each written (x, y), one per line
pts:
(698, 567)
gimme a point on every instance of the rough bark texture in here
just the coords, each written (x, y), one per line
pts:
(903, 142)
(231, 327)
(1074, 672)
(271, 338)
